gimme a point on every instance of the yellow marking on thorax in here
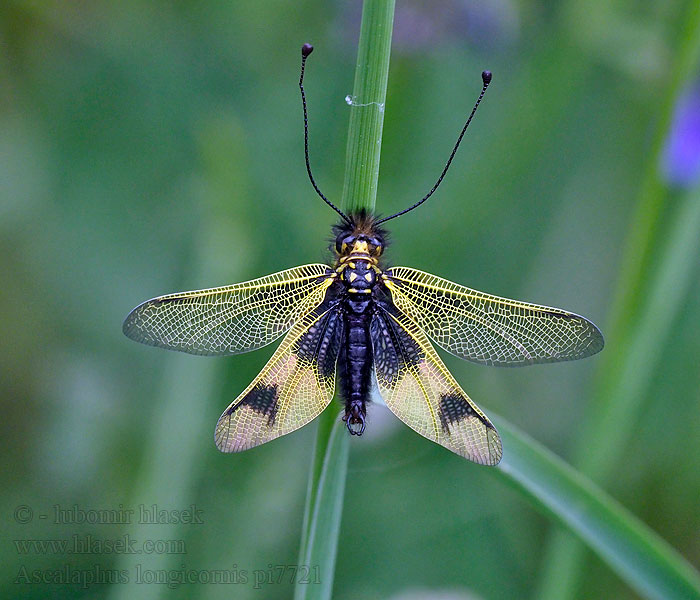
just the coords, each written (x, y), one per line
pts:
(350, 258)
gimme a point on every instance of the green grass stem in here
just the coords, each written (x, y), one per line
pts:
(648, 563)
(324, 501)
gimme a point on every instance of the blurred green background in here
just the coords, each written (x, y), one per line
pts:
(151, 147)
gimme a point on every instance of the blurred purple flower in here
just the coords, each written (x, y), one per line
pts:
(419, 25)
(681, 159)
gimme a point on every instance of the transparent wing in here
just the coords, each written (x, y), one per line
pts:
(292, 389)
(488, 329)
(232, 319)
(419, 390)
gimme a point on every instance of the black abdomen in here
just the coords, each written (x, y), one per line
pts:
(355, 363)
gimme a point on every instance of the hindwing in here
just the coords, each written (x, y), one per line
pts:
(232, 319)
(488, 329)
(417, 387)
(293, 388)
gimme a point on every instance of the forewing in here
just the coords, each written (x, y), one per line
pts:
(488, 329)
(292, 389)
(419, 390)
(232, 319)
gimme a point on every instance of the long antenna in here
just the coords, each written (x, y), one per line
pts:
(307, 49)
(486, 78)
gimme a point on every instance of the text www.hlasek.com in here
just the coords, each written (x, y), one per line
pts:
(88, 544)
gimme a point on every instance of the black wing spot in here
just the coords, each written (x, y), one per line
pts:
(559, 315)
(453, 408)
(262, 399)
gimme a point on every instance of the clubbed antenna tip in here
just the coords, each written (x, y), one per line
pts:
(485, 76)
(307, 49)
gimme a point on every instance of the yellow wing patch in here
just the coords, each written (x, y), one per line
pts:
(292, 389)
(488, 329)
(419, 390)
(232, 319)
